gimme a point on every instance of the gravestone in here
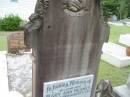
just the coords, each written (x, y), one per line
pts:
(16, 43)
(123, 90)
(124, 39)
(66, 37)
(20, 73)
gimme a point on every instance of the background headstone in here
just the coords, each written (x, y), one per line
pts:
(16, 43)
(20, 73)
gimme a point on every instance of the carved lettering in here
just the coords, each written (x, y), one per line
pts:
(74, 87)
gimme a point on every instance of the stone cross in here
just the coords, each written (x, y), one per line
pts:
(66, 38)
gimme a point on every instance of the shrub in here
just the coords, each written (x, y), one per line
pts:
(10, 23)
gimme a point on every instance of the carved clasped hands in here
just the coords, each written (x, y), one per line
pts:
(74, 5)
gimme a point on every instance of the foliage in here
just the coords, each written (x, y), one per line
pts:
(10, 23)
(120, 8)
(123, 9)
(109, 8)
(129, 8)
(0, 23)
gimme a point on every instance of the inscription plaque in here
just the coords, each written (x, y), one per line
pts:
(73, 87)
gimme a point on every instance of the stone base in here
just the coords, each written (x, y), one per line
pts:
(20, 73)
(122, 91)
(115, 55)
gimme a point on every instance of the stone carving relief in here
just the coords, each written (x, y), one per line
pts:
(76, 7)
(104, 89)
(71, 7)
(35, 21)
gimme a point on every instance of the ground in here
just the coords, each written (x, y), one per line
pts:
(115, 75)
(116, 31)
(106, 71)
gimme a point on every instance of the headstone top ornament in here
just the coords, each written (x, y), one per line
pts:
(76, 7)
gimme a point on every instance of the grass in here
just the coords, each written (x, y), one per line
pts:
(115, 75)
(116, 31)
(3, 43)
(3, 39)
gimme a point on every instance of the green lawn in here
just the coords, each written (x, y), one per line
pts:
(116, 31)
(115, 75)
(3, 43)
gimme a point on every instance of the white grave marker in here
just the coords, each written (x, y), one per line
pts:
(73, 87)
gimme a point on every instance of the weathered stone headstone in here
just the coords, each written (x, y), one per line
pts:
(66, 37)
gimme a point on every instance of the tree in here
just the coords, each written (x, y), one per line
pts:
(120, 8)
(128, 8)
(123, 9)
